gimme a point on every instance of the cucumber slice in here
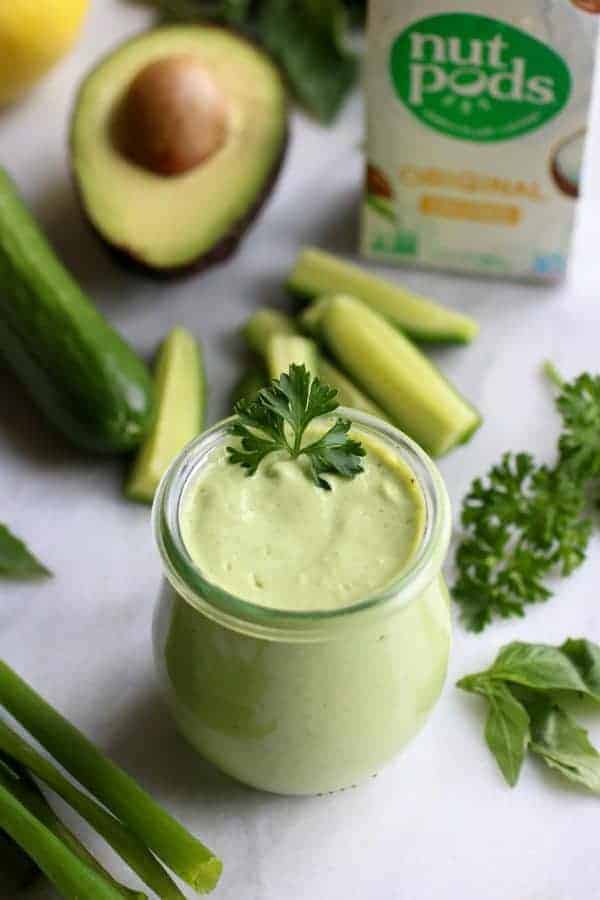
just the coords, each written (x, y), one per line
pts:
(317, 272)
(348, 393)
(180, 395)
(285, 349)
(263, 325)
(415, 395)
(266, 323)
(310, 318)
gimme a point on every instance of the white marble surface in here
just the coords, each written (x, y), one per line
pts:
(439, 824)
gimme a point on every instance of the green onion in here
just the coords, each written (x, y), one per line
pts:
(112, 830)
(176, 847)
(17, 870)
(17, 780)
(74, 879)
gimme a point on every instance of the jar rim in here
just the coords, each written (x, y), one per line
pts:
(244, 616)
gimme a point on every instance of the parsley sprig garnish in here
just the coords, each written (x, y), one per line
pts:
(278, 419)
(525, 522)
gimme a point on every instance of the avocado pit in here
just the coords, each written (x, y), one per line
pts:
(173, 116)
(176, 141)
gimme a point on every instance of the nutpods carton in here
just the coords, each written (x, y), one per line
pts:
(476, 126)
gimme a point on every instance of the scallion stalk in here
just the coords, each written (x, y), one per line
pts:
(18, 781)
(183, 853)
(120, 838)
(74, 879)
(17, 870)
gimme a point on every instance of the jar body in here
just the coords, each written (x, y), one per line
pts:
(303, 717)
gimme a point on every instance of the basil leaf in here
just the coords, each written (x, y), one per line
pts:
(564, 745)
(16, 561)
(306, 39)
(541, 667)
(506, 730)
(357, 11)
(585, 656)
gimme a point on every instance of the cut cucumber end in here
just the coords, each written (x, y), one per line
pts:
(310, 319)
(262, 325)
(389, 368)
(265, 325)
(348, 394)
(180, 398)
(317, 272)
(284, 350)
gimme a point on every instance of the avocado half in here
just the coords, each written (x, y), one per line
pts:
(177, 138)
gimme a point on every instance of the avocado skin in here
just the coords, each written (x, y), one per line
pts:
(217, 255)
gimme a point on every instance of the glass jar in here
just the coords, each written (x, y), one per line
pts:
(300, 702)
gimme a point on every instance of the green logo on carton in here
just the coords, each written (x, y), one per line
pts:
(477, 78)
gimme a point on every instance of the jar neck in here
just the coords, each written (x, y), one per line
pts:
(240, 615)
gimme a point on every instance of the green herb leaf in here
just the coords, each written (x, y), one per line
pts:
(357, 11)
(522, 522)
(234, 12)
(335, 453)
(16, 561)
(579, 444)
(540, 667)
(506, 729)
(525, 522)
(564, 745)
(306, 38)
(572, 668)
(294, 400)
(585, 656)
(522, 687)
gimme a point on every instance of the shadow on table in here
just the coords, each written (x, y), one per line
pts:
(91, 263)
(25, 429)
(338, 230)
(147, 744)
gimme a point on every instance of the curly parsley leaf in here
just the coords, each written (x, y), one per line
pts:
(335, 454)
(525, 522)
(277, 420)
(579, 444)
(522, 522)
(16, 561)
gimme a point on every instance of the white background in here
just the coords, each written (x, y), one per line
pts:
(439, 824)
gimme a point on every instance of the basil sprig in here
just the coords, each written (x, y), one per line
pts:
(526, 688)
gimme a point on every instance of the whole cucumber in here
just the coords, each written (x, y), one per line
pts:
(81, 373)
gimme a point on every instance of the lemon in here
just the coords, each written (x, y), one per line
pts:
(34, 34)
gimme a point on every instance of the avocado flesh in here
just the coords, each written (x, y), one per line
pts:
(174, 222)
